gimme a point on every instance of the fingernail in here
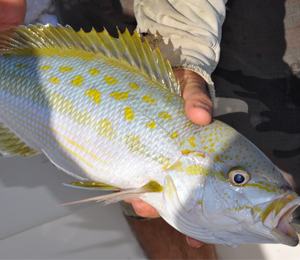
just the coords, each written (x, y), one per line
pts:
(193, 242)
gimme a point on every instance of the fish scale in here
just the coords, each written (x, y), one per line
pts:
(80, 82)
(109, 112)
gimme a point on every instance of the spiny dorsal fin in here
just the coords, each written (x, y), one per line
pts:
(127, 49)
(11, 145)
(151, 186)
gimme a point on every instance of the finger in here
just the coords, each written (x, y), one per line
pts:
(142, 208)
(193, 242)
(12, 13)
(198, 105)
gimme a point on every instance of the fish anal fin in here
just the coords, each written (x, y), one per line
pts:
(12, 145)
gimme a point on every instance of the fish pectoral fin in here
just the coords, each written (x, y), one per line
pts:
(91, 185)
(152, 186)
(179, 218)
(12, 145)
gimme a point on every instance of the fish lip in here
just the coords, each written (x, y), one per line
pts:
(279, 223)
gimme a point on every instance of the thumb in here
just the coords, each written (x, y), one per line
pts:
(198, 105)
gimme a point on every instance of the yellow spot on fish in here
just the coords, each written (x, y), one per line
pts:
(194, 170)
(151, 124)
(65, 69)
(163, 160)
(94, 72)
(181, 144)
(133, 142)
(174, 135)
(94, 95)
(110, 80)
(200, 154)
(217, 159)
(212, 150)
(120, 96)
(54, 80)
(165, 115)
(77, 80)
(169, 97)
(189, 124)
(148, 99)
(20, 65)
(186, 151)
(128, 114)
(44, 68)
(191, 140)
(180, 112)
(134, 86)
(105, 129)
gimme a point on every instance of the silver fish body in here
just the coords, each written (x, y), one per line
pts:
(109, 110)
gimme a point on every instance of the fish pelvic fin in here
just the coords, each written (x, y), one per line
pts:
(91, 185)
(152, 186)
(127, 50)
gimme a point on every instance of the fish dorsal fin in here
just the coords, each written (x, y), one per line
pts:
(127, 49)
(11, 145)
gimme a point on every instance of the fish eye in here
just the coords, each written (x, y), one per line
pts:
(238, 177)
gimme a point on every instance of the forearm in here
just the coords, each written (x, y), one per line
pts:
(191, 32)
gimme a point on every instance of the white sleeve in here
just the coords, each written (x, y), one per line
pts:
(191, 31)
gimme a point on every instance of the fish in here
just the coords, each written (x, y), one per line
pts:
(109, 112)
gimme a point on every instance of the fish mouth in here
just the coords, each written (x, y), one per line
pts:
(276, 216)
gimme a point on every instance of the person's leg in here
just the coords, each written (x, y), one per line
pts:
(160, 241)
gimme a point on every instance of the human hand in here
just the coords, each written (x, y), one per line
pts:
(198, 108)
(12, 13)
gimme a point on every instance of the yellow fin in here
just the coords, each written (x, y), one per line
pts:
(152, 186)
(91, 185)
(46, 40)
(11, 145)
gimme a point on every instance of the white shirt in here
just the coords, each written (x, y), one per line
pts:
(191, 31)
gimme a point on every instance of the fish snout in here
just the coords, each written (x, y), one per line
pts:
(276, 217)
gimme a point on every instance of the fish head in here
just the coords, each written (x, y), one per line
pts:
(234, 195)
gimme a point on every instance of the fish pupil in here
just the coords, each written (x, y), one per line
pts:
(239, 178)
